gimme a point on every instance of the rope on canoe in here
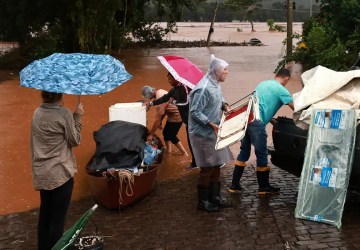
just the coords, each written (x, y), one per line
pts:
(127, 177)
(124, 176)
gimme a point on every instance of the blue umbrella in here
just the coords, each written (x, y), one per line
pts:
(78, 74)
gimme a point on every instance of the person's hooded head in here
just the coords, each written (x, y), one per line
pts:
(218, 69)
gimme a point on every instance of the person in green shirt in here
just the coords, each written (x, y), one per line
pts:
(271, 96)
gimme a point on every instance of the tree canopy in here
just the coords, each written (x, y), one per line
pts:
(44, 26)
(332, 38)
(247, 6)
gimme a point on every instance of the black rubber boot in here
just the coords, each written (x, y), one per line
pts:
(215, 198)
(264, 186)
(263, 178)
(237, 174)
(203, 200)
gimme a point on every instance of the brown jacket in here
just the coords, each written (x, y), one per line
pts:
(54, 131)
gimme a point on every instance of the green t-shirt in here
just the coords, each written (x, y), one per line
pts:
(271, 97)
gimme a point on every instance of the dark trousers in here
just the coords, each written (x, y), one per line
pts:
(207, 175)
(171, 130)
(193, 163)
(53, 207)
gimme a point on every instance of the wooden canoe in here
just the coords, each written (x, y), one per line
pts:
(106, 190)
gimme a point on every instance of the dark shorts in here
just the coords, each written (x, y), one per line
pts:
(171, 130)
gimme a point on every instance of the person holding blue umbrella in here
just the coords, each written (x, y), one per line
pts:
(55, 130)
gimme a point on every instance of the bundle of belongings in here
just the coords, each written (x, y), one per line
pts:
(151, 150)
(122, 145)
(324, 89)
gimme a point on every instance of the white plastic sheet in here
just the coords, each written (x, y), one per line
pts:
(327, 166)
(325, 88)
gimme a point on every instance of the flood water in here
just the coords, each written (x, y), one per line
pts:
(248, 66)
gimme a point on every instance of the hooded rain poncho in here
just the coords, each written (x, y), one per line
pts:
(206, 103)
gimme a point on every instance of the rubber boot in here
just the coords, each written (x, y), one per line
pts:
(203, 200)
(235, 183)
(263, 178)
(215, 198)
(264, 186)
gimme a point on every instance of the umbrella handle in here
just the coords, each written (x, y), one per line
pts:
(79, 99)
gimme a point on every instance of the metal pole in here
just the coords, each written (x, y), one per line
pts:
(311, 4)
(211, 30)
(289, 28)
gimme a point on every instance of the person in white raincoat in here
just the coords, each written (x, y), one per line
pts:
(206, 106)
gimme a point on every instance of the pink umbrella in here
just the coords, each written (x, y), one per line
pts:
(182, 70)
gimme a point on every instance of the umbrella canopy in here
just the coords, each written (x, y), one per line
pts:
(182, 70)
(73, 232)
(78, 74)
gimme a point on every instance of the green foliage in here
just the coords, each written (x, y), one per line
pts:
(42, 44)
(342, 16)
(332, 39)
(245, 4)
(279, 28)
(271, 23)
(273, 26)
(327, 49)
(248, 6)
(353, 43)
(42, 27)
(307, 26)
(150, 32)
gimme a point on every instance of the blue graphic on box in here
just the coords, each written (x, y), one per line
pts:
(319, 118)
(335, 119)
(324, 175)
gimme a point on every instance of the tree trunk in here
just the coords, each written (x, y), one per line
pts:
(211, 30)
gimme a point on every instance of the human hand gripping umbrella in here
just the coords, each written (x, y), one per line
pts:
(75, 73)
(78, 74)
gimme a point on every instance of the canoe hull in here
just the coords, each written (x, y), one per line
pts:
(106, 192)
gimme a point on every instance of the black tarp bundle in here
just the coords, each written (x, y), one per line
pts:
(119, 144)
